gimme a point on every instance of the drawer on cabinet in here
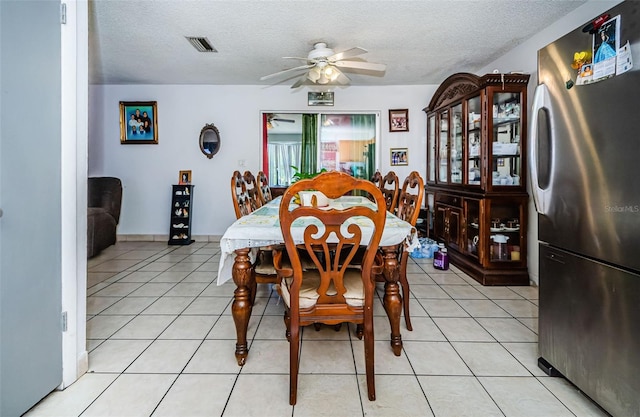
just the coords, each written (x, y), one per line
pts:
(451, 200)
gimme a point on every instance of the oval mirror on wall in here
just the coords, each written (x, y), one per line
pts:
(209, 140)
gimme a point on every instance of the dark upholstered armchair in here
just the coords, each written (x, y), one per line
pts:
(103, 214)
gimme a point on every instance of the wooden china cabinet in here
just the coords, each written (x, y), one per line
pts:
(476, 172)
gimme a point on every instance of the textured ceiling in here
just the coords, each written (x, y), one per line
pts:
(421, 42)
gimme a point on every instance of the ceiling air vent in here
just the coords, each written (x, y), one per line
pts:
(201, 44)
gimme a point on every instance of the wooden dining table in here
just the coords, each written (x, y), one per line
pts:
(261, 228)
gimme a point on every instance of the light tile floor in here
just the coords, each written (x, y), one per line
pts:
(161, 341)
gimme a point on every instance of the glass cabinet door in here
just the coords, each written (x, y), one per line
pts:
(431, 149)
(472, 211)
(474, 131)
(505, 146)
(455, 153)
(443, 148)
(505, 232)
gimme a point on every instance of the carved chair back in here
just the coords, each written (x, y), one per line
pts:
(330, 293)
(263, 185)
(410, 198)
(390, 188)
(253, 190)
(239, 195)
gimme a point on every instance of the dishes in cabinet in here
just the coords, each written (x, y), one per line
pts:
(503, 228)
(474, 120)
(500, 148)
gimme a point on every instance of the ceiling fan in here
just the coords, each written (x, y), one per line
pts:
(322, 65)
(272, 120)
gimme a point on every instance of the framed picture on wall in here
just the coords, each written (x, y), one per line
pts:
(184, 178)
(399, 156)
(138, 122)
(399, 120)
(322, 98)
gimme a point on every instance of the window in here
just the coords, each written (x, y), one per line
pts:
(342, 141)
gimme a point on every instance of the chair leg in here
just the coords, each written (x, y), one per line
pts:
(359, 331)
(287, 324)
(294, 349)
(369, 361)
(405, 300)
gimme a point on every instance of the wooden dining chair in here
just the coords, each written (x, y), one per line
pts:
(331, 293)
(263, 187)
(244, 205)
(409, 203)
(377, 179)
(253, 190)
(240, 197)
(389, 188)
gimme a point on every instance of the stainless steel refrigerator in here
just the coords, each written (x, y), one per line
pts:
(585, 171)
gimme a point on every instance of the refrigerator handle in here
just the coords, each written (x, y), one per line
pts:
(541, 196)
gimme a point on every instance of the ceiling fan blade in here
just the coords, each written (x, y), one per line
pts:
(300, 81)
(342, 79)
(283, 120)
(296, 57)
(371, 66)
(275, 74)
(349, 53)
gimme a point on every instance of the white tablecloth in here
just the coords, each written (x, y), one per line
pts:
(262, 228)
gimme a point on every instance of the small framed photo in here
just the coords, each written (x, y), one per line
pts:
(185, 178)
(399, 156)
(138, 122)
(323, 98)
(399, 120)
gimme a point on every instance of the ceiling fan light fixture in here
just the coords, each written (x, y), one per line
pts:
(314, 74)
(323, 66)
(331, 73)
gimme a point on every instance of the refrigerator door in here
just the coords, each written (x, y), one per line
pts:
(588, 327)
(586, 175)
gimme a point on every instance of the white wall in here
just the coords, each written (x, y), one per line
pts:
(525, 58)
(147, 171)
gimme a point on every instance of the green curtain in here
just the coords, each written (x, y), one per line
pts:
(370, 165)
(309, 154)
(367, 122)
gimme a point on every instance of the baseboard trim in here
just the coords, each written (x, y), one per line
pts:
(165, 238)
